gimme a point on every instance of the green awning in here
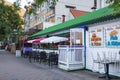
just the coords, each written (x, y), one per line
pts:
(77, 21)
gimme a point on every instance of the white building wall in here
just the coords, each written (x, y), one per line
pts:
(47, 24)
(60, 8)
(101, 4)
(84, 5)
(27, 22)
(93, 51)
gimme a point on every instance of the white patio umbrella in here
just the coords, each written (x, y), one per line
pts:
(54, 39)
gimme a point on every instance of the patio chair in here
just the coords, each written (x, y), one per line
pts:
(52, 59)
(113, 58)
(100, 60)
(118, 62)
(38, 56)
(96, 59)
(30, 56)
(105, 56)
(34, 55)
(43, 56)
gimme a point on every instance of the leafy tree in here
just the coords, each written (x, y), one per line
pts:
(115, 4)
(9, 19)
(40, 2)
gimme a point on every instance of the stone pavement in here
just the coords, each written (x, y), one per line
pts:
(12, 68)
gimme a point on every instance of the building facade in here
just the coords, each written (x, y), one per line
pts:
(51, 13)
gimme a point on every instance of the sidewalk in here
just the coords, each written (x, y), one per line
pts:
(12, 68)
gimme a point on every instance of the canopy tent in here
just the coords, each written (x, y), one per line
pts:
(38, 40)
(54, 39)
(35, 40)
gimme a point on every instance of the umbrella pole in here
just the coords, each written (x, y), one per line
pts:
(53, 46)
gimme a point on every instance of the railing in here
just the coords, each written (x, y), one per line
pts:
(71, 56)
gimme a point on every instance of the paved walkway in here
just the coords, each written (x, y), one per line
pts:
(12, 68)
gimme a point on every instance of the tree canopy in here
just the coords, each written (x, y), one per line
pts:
(40, 2)
(115, 4)
(9, 19)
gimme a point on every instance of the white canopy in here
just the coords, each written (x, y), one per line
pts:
(54, 39)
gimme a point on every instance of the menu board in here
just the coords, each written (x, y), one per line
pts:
(112, 36)
(96, 37)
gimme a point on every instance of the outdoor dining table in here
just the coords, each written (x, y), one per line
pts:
(106, 67)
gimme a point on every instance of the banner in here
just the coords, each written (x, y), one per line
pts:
(112, 36)
(96, 38)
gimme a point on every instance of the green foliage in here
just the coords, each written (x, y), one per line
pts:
(39, 2)
(17, 5)
(54, 2)
(30, 11)
(115, 4)
(9, 19)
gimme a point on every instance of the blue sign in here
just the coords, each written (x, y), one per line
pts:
(112, 37)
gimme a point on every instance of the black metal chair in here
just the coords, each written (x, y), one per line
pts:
(43, 56)
(53, 59)
(30, 56)
(37, 56)
(34, 55)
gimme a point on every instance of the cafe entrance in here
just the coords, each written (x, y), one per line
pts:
(72, 57)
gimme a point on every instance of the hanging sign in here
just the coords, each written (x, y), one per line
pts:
(96, 37)
(112, 36)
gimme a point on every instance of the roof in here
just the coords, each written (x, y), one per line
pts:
(101, 14)
(77, 13)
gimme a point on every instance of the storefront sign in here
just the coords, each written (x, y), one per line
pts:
(112, 36)
(96, 37)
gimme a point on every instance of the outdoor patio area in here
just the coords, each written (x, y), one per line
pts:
(13, 68)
